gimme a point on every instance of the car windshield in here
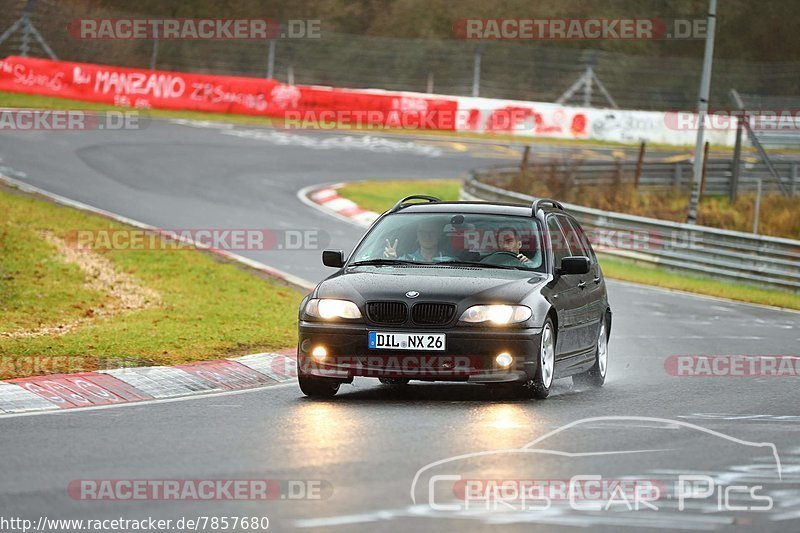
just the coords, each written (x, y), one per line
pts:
(486, 240)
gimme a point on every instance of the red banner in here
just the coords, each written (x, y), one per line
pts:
(301, 106)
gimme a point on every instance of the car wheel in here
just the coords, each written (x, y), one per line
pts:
(596, 376)
(316, 387)
(394, 381)
(539, 386)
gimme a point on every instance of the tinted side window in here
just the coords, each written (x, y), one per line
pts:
(582, 241)
(558, 240)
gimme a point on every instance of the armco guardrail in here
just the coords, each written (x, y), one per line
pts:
(756, 259)
(719, 174)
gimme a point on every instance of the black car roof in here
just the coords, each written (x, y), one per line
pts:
(494, 208)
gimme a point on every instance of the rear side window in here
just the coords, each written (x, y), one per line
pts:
(581, 241)
(558, 241)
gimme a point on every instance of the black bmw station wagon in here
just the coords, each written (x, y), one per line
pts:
(459, 291)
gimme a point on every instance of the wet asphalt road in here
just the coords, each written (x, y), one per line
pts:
(367, 445)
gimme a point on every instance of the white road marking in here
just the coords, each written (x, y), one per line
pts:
(367, 143)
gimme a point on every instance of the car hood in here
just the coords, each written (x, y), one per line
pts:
(466, 285)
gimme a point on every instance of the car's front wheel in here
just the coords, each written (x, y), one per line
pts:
(316, 387)
(596, 376)
(539, 386)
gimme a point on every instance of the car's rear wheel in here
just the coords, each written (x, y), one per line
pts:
(539, 386)
(316, 387)
(596, 376)
(394, 381)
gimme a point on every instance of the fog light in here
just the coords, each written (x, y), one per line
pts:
(319, 353)
(504, 360)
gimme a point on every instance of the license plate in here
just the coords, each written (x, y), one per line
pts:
(381, 340)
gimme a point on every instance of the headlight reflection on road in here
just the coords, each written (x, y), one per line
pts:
(502, 426)
(325, 433)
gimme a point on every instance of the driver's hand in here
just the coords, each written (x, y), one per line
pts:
(522, 258)
(390, 250)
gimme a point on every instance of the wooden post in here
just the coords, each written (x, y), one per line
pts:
(705, 168)
(523, 166)
(618, 172)
(639, 165)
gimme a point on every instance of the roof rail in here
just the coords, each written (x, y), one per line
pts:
(403, 203)
(539, 201)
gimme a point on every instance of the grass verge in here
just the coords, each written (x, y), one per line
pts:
(648, 274)
(381, 195)
(54, 318)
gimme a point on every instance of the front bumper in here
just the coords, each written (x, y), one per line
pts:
(469, 355)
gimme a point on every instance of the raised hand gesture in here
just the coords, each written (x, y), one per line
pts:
(390, 251)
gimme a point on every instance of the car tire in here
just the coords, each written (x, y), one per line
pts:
(316, 387)
(596, 376)
(539, 386)
(394, 381)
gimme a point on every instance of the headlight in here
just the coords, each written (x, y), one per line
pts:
(328, 309)
(496, 314)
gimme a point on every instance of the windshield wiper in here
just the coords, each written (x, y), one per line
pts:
(485, 265)
(384, 261)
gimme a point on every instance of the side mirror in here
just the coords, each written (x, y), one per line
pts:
(575, 265)
(333, 258)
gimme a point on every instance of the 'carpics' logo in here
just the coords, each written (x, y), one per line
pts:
(557, 479)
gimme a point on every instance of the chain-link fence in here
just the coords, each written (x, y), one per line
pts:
(524, 71)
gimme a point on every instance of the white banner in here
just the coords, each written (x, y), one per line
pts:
(542, 119)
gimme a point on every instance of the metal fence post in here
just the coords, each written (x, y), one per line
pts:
(587, 87)
(704, 171)
(26, 31)
(271, 60)
(737, 161)
(758, 206)
(154, 54)
(476, 70)
(677, 175)
(702, 111)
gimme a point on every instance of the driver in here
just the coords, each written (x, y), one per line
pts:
(429, 233)
(508, 240)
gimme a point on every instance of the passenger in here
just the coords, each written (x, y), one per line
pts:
(429, 234)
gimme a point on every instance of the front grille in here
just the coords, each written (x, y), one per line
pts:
(387, 312)
(432, 314)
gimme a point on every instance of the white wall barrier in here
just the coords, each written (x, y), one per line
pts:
(542, 119)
